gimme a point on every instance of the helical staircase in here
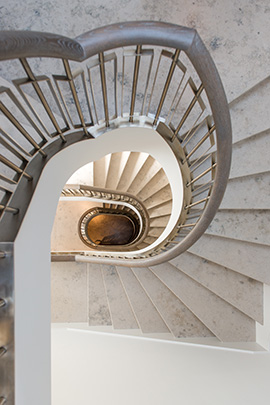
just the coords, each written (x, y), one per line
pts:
(185, 276)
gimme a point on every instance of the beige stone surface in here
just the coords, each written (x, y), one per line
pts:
(179, 319)
(248, 192)
(249, 225)
(240, 291)
(65, 236)
(225, 321)
(69, 292)
(132, 167)
(98, 306)
(146, 314)
(250, 259)
(121, 312)
(251, 156)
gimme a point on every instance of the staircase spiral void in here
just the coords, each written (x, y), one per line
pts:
(149, 95)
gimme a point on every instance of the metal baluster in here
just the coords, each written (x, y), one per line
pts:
(104, 88)
(167, 84)
(135, 81)
(41, 96)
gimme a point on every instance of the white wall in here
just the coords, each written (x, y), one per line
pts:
(101, 369)
(32, 252)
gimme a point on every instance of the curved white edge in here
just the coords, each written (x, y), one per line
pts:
(32, 251)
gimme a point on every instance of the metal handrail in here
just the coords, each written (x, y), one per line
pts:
(113, 197)
(33, 44)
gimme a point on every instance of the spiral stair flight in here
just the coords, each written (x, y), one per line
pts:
(205, 279)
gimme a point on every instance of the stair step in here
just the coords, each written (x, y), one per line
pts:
(179, 319)
(250, 155)
(248, 192)
(68, 292)
(145, 174)
(160, 221)
(117, 164)
(156, 232)
(161, 210)
(83, 176)
(132, 167)
(148, 317)
(101, 170)
(226, 322)
(249, 106)
(251, 260)
(240, 291)
(98, 308)
(120, 309)
(160, 197)
(157, 182)
(249, 225)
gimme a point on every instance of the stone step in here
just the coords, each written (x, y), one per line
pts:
(161, 196)
(156, 183)
(147, 171)
(240, 291)
(98, 308)
(251, 156)
(120, 309)
(101, 167)
(132, 167)
(249, 225)
(68, 292)
(179, 319)
(84, 175)
(249, 112)
(117, 164)
(160, 221)
(249, 259)
(225, 321)
(248, 192)
(162, 210)
(146, 314)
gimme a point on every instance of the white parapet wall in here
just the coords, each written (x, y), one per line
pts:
(101, 368)
(32, 251)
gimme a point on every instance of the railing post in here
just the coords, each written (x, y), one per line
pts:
(6, 324)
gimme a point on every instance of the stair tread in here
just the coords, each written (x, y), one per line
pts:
(156, 183)
(117, 165)
(245, 258)
(147, 171)
(121, 312)
(83, 176)
(179, 319)
(68, 292)
(246, 107)
(98, 308)
(246, 225)
(100, 171)
(158, 198)
(148, 317)
(225, 321)
(238, 290)
(250, 156)
(247, 192)
(132, 167)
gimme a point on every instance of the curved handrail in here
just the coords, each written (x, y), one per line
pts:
(30, 44)
(113, 197)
